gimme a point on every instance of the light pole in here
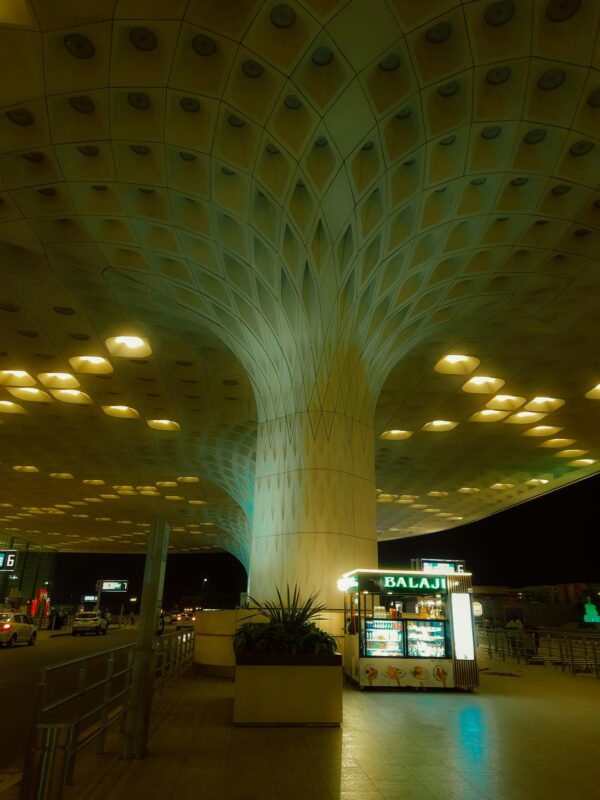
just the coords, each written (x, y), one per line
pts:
(202, 596)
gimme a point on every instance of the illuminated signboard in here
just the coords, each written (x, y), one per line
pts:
(8, 560)
(443, 567)
(89, 598)
(462, 626)
(114, 586)
(398, 582)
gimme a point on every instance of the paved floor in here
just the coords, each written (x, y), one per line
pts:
(531, 737)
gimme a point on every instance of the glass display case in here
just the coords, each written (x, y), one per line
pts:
(384, 637)
(425, 638)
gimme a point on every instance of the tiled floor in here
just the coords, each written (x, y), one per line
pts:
(534, 737)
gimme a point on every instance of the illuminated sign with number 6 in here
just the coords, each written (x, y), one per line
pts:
(8, 560)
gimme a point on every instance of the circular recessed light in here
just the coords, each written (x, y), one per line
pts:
(189, 104)
(293, 102)
(321, 141)
(20, 116)
(561, 188)
(89, 150)
(204, 45)
(322, 56)
(34, 157)
(535, 136)
(235, 121)
(439, 33)
(478, 181)
(272, 149)
(11, 307)
(499, 13)
(142, 39)
(47, 191)
(404, 113)
(552, 79)
(282, 16)
(251, 68)
(497, 75)
(140, 149)
(449, 89)
(82, 103)
(391, 62)
(561, 10)
(79, 45)
(448, 140)
(581, 148)
(138, 100)
(227, 171)
(491, 132)
(367, 145)
(186, 156)
(519, 181)
(582, 232)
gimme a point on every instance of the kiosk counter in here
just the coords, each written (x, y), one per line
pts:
(409, 628)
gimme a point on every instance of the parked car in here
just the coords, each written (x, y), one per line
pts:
(16, 628)
(89, 622)
(184, 621)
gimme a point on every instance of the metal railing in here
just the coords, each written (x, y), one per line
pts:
(89, 695)
(570, 651)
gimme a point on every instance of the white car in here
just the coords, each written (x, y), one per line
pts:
(89, 622)
(16, 628)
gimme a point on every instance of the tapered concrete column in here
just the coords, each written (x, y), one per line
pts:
(314, 511)
(137, 723)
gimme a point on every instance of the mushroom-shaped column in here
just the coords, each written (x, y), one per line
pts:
(314, 506)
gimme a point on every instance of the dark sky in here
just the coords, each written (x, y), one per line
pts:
(76, 574)
(547, 540)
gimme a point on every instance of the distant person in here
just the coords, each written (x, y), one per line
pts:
(132, 618)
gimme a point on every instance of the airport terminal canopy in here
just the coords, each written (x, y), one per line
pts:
(294, 276)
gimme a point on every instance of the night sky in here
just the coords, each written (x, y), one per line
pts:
(546, 540)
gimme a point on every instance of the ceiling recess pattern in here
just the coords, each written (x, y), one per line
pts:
(214, 214)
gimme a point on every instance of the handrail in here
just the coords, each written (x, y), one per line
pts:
(574, 651)
(172, 652)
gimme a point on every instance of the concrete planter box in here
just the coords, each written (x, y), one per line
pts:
(288, 690)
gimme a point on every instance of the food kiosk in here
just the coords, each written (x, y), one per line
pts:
(409, 628)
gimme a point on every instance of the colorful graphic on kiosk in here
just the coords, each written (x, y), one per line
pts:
(419, 674)
(8, 560)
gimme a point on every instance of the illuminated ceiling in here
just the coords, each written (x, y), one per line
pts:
(182, 197)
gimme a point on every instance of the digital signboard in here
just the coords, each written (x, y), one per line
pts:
(114, 586)
(8, 560)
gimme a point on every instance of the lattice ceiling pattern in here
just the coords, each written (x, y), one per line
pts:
(293, 206)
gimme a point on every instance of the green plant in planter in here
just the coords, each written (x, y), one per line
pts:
(290, 628)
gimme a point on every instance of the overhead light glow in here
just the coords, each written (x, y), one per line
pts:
(128, 346)
(8, 407)
(501, 486)
(395, 434)
(16, 377)
(488, 415)
(482, 384)
(546, 404)
(456, 364)
(524, 417)
(538, 482)
(92, 365)
(162, 424)
(123, 412)
(582, 462)
(542, 430)
(439, 425)
(468, 490)
(505, 402)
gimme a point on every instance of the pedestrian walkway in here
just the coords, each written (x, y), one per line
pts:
(528, 733)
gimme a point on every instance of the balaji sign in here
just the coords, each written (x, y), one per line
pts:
(400, 582)
(415, 583)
